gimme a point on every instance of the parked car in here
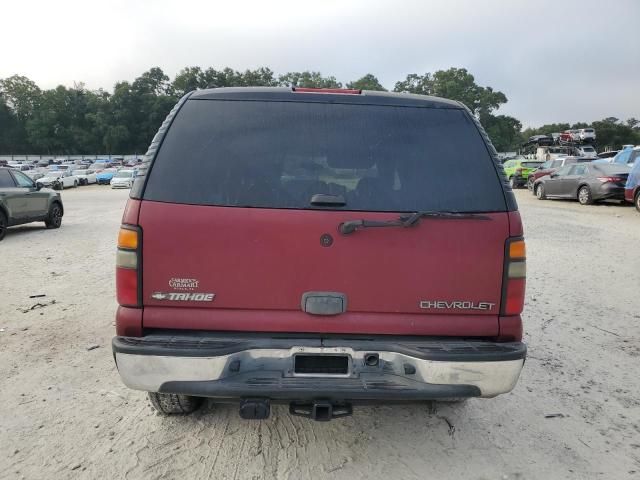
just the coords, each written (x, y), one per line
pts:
(632, 187)
(295, 279)
(22, 201)
(556, 137)
(605, 155)
(21, 167)
(586, 151)
(627, 156)
(551, 166)
(86, 177)
(105, 176)
(518, 171)
(552, 152)
(35, 174)
(585, 182)
(541, 140)
(123, 179)
(587, 135)
(98, 167)
(569, 136)
(58, 179)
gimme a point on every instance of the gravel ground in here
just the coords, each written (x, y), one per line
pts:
(65, 414)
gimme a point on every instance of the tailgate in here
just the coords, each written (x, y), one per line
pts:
(438, 277)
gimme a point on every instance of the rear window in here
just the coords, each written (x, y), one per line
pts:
(281, 154)
(611, 168)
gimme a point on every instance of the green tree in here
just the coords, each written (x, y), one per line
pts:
(62, 122)
(454, 84)
(504, 131)
(153, 82)
(368, 82)
(308, 79)
(9, 126)
(21, 95)
(189, 79)
(612, 133)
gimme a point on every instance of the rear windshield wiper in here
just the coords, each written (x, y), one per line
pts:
(408, 220)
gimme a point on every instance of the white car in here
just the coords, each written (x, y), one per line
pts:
(85, 177)
(587, 135)
(58, 179)
(21, 167)
(36, 174)
(123, 179)
(586, 151)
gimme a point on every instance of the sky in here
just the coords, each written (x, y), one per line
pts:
(555, 60)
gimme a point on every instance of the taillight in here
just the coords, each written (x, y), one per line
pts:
(610, 179)
(128, 258)
(515, 272)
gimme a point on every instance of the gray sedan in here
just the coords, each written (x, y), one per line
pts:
(585, 182)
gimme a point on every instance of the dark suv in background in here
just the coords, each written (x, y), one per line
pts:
(21, 201)
(312, 247)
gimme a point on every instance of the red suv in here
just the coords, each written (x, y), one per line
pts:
(319, 248)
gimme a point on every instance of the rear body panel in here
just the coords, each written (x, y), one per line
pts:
(259, 263)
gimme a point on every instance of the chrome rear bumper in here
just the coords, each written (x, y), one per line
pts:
(236, 368)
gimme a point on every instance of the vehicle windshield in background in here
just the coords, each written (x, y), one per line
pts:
(281, 154)
(531, 164)
(123, 175)
(54, 174)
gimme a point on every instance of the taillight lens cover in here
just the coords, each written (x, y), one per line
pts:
(128, 257)
(514, 282)
(127, 287)
(128, 238)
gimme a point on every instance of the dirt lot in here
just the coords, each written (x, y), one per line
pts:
(65, 414)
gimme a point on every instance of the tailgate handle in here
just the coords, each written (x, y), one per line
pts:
(324, 303)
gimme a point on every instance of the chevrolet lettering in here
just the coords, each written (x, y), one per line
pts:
(455, 305)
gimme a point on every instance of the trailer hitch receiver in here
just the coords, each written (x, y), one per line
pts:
(321, 411)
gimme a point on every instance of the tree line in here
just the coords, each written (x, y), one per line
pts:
(76, 120)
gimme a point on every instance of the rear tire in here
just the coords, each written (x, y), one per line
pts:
(173, 404)
(512, 183)
(4, 223)
(539, 191)
(54, 217)
(530, 184)
(637, 201)
(584, 196)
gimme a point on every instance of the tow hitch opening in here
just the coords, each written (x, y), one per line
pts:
(321, 411)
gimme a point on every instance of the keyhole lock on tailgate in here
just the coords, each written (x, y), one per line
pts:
(324, 303)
